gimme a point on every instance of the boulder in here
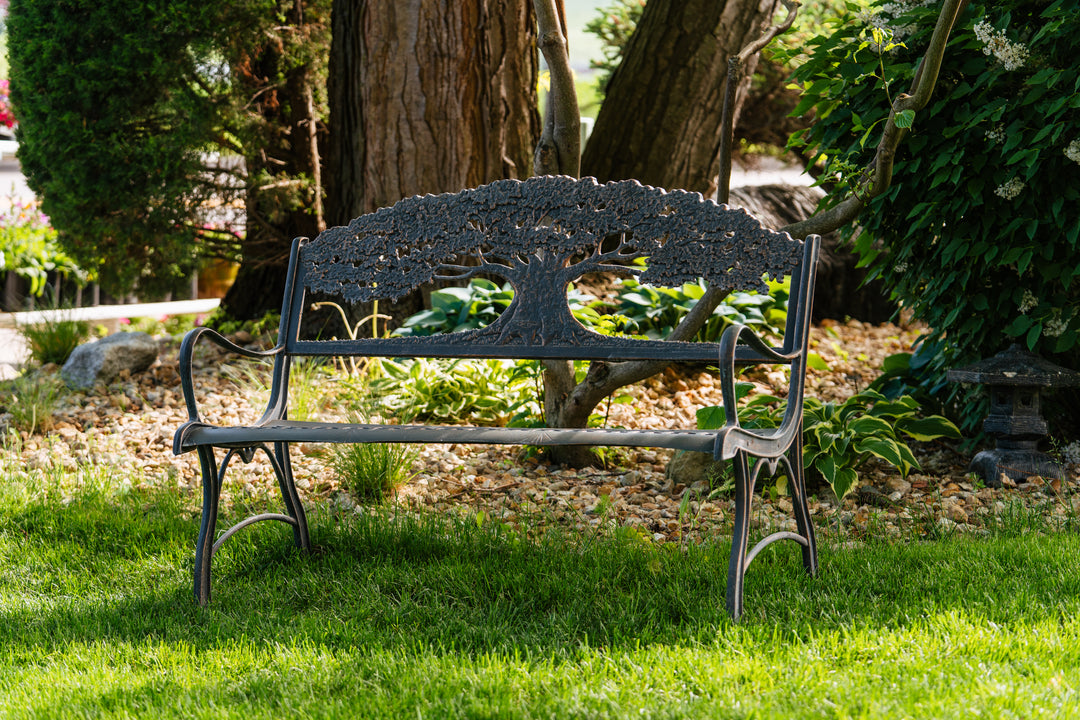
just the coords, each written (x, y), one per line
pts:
(103, 361)
(689, 468)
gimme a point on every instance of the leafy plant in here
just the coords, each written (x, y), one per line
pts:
(491, 392)
(655, 311)
(480, 303)
(31, 399)
(840, 437)
(29, 248)
(372, 472)
(978, 232)
(54, 339)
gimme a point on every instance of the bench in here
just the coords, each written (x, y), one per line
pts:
(540, 235)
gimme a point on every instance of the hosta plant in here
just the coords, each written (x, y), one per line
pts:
(838, 438)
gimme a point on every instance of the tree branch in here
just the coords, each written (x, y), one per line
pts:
(559, 149)
(731, 86)
(877, 177)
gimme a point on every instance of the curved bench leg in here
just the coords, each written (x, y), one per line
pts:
(803, 522)
(204, 549)
(740, 537)
(283, 470)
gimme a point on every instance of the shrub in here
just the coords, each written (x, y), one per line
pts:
(979, 232)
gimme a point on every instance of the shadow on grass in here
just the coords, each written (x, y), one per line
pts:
(119, 570)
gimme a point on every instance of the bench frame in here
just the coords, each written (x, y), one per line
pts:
(540, 234)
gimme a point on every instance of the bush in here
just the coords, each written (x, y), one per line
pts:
(979, 234)
(372, 472)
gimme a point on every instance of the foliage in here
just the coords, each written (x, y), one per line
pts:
(480, 303)
(31, 399)
(656, 311)
(29, 247)
(978, 232)
(839, 437)
(54, 339)
(487, 392)
(613, 27)
(372, 472)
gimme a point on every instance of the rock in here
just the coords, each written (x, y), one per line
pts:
(869, 495)
(104, 360)
(687, 467)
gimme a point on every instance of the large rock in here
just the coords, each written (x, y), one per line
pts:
(103, 360)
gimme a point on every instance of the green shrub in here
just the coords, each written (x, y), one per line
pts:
(53, 340)
(979, 234)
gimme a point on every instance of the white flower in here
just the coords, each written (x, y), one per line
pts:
(1011, 55)
(1010, 189)
(1073, 151)
(1056, 324)
(1028, 302)
(996, 134)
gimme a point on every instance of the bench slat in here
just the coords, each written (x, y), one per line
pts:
(297, 431)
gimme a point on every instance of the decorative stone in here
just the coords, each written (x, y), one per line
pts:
(103, 361)
(687, 467)
(1014, 378)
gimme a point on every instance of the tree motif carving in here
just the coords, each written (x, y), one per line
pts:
(542, 234)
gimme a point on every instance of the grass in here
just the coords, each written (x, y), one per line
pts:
(399, 615)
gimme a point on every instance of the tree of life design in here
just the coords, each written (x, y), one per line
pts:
(540, 235)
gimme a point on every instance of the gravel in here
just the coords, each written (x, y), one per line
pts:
(127, 427)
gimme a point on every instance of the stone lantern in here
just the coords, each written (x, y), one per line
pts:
(1014, 378)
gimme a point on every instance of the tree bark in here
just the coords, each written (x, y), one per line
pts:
(660, 121)
(428, 96)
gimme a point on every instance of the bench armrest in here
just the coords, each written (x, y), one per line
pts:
(187, 350)
(732, 437)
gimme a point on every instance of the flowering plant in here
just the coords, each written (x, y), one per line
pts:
(979, 232)
(7, 118)
(29, 249)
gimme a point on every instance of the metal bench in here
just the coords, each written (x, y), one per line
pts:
(539, 234)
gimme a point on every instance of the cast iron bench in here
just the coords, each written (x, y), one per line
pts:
(539, 234)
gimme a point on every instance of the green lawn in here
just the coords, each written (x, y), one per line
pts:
(400, 617)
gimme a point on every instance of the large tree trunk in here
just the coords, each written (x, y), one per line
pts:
(428, 96)
(660, 121)
(283, 193)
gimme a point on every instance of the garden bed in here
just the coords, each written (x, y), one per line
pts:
(129, 427)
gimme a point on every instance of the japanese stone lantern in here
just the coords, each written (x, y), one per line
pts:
(1014, 378)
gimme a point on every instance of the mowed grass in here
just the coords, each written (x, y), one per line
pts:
(402, 616)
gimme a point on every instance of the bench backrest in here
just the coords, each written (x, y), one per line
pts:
(542, 234)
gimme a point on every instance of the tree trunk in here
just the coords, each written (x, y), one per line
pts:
(660, 121)
(428, 96)
(282, 190)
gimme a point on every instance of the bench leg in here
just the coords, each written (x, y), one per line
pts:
(283, 469)
(744, 495)
(204, 549)
(803, 523)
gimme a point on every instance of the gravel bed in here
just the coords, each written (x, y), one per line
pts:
(127, 429)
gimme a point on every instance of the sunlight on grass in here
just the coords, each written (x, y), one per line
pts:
(398, 615)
